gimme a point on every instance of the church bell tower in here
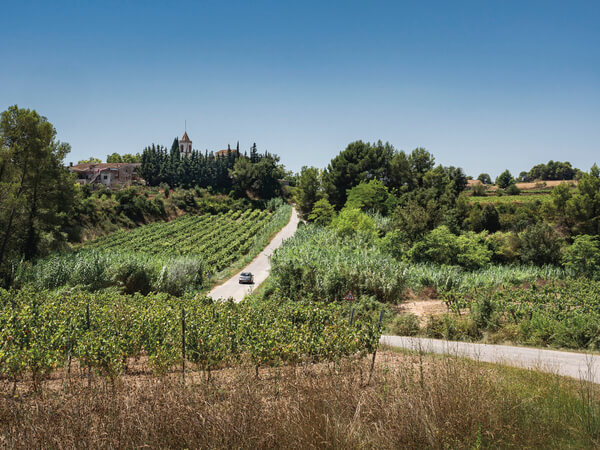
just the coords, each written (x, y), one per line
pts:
(185, 146)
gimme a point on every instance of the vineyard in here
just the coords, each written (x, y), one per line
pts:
(218, 239)
(562, 314)
(44, 331)
(175, 257)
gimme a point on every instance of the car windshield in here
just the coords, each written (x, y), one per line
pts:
(246, 274)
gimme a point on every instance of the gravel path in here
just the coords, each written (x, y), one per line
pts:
(577, 365)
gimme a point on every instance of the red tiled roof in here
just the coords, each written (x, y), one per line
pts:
(101, 166)
(185, 138)
(224, 152)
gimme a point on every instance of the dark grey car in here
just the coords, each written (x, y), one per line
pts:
(246, 278)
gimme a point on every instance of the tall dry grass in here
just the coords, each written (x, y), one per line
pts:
(412, 401)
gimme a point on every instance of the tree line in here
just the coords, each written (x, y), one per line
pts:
(417, 211)
(256, 174)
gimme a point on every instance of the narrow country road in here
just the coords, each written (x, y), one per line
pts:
(575, 365)
(260, 266)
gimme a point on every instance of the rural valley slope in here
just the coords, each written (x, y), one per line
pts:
(576, 365)
(260, 266)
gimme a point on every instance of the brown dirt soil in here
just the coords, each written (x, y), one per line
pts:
(423, 308)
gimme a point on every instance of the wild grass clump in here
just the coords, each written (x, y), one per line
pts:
(413, 401)
(93, 270)
(180, 276)
(317, 263)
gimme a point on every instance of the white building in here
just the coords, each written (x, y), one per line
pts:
(185, 146)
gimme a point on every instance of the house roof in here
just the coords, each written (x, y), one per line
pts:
(101, 166)
(185, 138)
(224, 152)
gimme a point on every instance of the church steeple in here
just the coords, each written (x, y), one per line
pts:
(185, 146)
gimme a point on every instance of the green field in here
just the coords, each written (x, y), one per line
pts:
(522, 198)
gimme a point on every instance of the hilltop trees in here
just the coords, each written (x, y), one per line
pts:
(259, 178)
(401, 173)
(485, 178)
(126, 158)
(37, 193)
(257, 175)
(90, 160)
(552, 170)
(505, 179)
(360, 161)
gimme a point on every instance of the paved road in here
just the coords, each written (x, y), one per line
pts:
(576, 365)
(260, 266)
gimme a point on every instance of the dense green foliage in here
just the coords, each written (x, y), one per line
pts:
(41, 331)
(552, 170)
(309, 189)
(126, 158)
(36, 192)
(361, 162)
(583, 256)
(318, 263)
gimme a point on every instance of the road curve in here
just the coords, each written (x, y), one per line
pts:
(260, 266)
(576, 365)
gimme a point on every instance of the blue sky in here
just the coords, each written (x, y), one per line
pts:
(484, 85)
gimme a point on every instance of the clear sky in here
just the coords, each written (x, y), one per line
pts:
(484, 85)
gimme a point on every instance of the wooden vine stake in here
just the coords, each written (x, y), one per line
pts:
(183, 343)
(376, 347)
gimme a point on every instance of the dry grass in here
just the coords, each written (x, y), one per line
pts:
(413, 401)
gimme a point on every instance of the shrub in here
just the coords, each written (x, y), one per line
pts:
(394, 243)
(404, 325)
(351, 221)
(165, 188)
(371, 196)
(443, 247)
(133, 275)
(540, 245)
(478, 190)
(322, 212)
(505, 247)
(274, 203)
(181, 275)
(490, 219)
(512, 189)
(583, 256)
